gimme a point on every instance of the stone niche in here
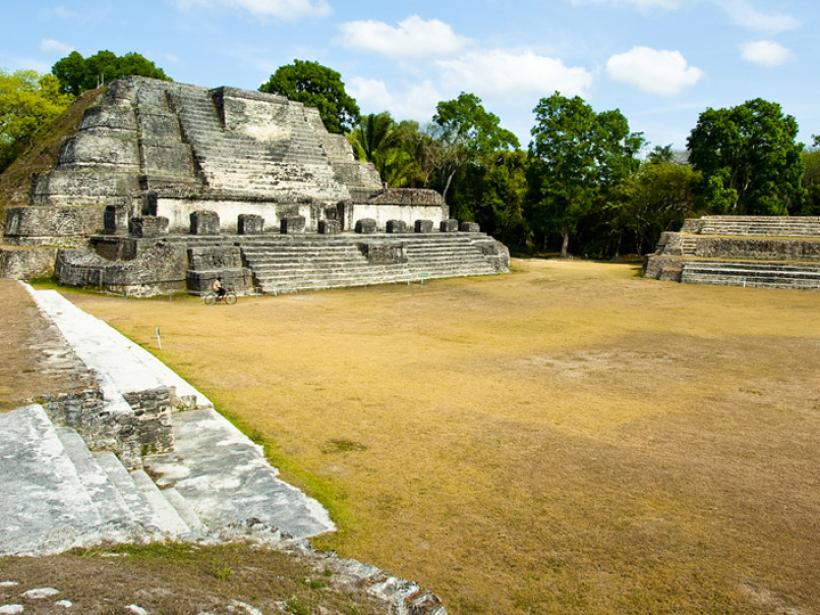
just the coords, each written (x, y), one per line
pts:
(250, 224)
(115, 219)
(292, 224)
(148, 226)
(204, 222)
(396, 226)
(448, 226)
(424, 226)
(329, 227)
(366, 226)
(470, 227)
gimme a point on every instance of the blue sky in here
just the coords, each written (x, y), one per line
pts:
(661, 62)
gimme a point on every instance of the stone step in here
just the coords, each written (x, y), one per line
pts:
(307, 268)
(228, 482)
(185, 511)
(44, 507)
(163, 514)
(124, 482)
(274, 288)
(110, 503)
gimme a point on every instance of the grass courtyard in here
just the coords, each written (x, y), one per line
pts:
(570, 438)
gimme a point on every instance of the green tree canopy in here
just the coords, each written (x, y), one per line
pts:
(395, 149)
(466, 131)
(749, 158)
(77, 74)
(577, 156)
(29, 102)
(316, 86)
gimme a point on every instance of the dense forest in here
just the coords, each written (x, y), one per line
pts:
(585, 184)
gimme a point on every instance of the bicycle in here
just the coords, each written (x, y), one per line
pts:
(229, 298)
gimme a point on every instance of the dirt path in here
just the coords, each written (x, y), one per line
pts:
(34, 359)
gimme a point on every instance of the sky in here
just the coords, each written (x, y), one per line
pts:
(661, 62)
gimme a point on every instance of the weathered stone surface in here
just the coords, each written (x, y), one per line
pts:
(250, 224)
(449, 226)
(162, 268)
(52, 224)
(292, 224)
(27, 263)
(204, 222)
(396, 226)
(424, 226)
(214, 257)
(469, 227)
(384, 253)
(329, 227)
(148, 226)
(366, 226)
(763, 251)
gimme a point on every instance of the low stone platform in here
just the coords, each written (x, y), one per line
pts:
(755, 251)
(277, 263)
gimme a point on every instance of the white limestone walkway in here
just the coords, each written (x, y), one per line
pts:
(215, 485)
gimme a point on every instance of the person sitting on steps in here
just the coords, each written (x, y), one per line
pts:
(218, 289)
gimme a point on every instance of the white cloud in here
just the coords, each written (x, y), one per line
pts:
(413, 37)
(50, 45)
(659, 72)
(742, 13)
(417, 101)
(503, 73)
(765, 53)
(280, 9)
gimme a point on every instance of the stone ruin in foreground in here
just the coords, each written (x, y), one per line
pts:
(166, 186)
(761, 251)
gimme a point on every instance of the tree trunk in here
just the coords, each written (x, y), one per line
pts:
(447, 185)
(565, 242)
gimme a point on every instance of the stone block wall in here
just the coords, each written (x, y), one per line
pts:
(102, 429)
(152, 418)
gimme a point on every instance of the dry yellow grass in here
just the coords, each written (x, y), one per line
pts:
(567, 439)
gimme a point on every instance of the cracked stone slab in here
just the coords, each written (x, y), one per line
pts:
(227, 480)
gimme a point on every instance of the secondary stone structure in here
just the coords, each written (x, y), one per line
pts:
(159, 171)
(760, 251)
(135, 454)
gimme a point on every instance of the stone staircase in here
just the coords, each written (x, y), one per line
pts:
(290, 265)
(215, 485)
(760, 275)
(771, 226)
(757, 251)
(230, 161)
(58, 495)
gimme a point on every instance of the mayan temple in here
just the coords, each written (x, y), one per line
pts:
(167, 186)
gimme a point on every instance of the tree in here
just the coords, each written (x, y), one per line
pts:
(29, 103)
(811, 182)
(493, 193)
(577, 156)
(390, 146)
(77, 74)
(658, 198)
(316, 86)
(749, 159)
(465, 131)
